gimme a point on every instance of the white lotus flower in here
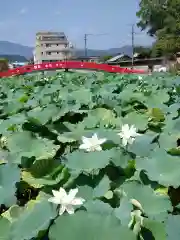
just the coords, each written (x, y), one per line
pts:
(128, 134)
(92, 144)
(67, 201)
(136, 204)
(3, 141)
(162, 69)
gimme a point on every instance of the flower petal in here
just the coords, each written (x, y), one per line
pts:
(94, 137)
(120, 134)
(138, 134)
(70, 209)
(125, 128)
(83, 146)
(131, 140)
(55, 193)
(132, 131)
(88, 149)
(78, 201)
(98, 148)
(132, 128)
(59, 194)
(94, 140)
(71, 195)
(124, 142)
(85, 140)
(102, 140)
(54, 200)
(62, 209)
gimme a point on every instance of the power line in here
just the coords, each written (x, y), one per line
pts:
(86, 35)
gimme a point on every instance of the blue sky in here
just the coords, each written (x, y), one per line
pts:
(20, 21)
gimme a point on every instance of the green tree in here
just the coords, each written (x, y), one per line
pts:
(152, 15)
(105, 58)
(143, 52)
(3, 65)
(161, 19)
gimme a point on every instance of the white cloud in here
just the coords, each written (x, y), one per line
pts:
(23, 11)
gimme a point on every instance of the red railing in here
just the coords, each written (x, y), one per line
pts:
(68, 65)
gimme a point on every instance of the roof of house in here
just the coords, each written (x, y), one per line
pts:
(117, 58)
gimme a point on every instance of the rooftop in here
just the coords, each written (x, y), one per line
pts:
(50, 33)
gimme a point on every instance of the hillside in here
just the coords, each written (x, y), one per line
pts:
(9, 48)
(127, 50)
(14, 58)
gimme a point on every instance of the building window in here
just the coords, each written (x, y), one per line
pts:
(48, 53)
(42, 53)
(48, 45)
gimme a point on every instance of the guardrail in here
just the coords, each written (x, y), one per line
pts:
(69, 65)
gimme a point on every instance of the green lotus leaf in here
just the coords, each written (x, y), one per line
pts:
(80, 161)
(172, 227)
(5, 227)
(102, 188)
(34, 218)
(23, 144)
(161, 167)
(154, 205)
(157, 229)
(93, 226)
(9, 176)
(140, 121)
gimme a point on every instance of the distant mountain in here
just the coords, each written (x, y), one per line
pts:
(9, 48)
(127, 50)
(14, 58)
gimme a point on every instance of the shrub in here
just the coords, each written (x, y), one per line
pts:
(4, 65)
(175, 68)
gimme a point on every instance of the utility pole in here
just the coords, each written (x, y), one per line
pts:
(85, 44)
(133, 33)
(132, 37)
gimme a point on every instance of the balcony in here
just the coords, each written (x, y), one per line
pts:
(55, 48)
(53, 57)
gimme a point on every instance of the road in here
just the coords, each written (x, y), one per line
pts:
(51, 73)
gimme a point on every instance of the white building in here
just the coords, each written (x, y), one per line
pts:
(52, 47)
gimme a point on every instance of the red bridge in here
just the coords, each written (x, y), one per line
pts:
(68, 65)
